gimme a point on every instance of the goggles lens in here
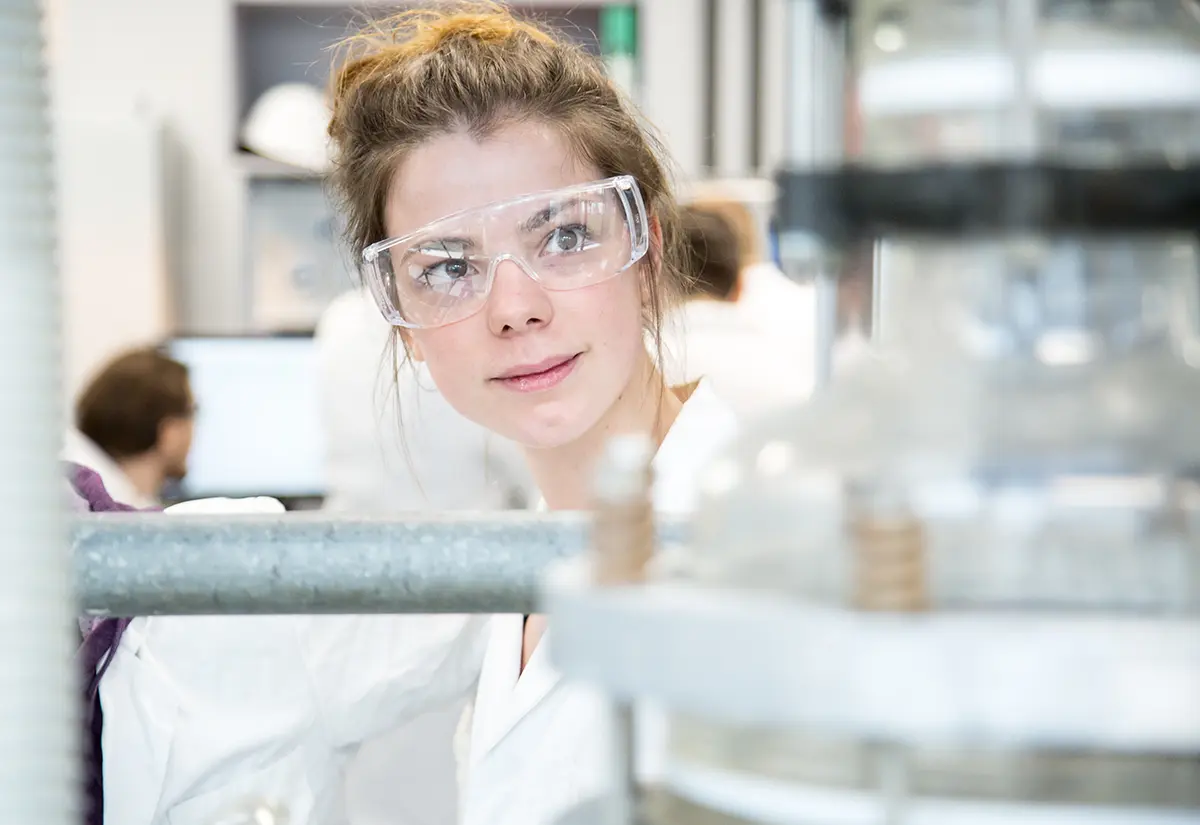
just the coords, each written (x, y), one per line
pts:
(565, 239)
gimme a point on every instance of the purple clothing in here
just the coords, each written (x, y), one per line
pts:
(100, 640)
(87, 485)
(87, 493)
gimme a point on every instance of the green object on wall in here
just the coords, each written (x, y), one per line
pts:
(618, 30)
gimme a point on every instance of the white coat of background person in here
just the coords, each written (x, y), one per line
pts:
(745, 326)
(395, 446)
(468, 142)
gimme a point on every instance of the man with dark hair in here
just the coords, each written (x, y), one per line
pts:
(134, 425)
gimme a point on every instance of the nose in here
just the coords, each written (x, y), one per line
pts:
(517, 301)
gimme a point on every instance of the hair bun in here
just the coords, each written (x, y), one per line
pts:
(397, 41)
(423, 31)
(489, 23)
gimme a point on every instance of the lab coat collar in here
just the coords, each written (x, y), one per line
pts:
(507, 694)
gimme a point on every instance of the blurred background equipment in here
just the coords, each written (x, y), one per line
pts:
(287, 124)
(618, 44)
(962, 583)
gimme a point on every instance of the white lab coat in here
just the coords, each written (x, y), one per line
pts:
(758, 352)
(80, 449)
(206, 716)
(423, 455)
(539, 746)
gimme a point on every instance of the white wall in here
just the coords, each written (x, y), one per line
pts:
(112, 243)
(121, 62)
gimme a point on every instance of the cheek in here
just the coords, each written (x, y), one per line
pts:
(612, 313)
(452, 356)
(176, 439)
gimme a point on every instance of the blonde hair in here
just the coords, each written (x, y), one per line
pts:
(474, 67)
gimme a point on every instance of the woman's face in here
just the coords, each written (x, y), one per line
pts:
(535, 366)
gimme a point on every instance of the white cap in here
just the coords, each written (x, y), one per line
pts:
(288, 123)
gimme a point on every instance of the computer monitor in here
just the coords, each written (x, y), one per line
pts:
(258, 423)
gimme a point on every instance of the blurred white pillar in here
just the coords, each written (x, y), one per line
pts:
(734, 88)
(773, 85)
(815, 87)
(672, 56)
(38, 689)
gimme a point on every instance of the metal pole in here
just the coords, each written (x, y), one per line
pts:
(815, 106)
(38, 708)
(152, 564)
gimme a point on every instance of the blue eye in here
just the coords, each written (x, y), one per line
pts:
(567, 239)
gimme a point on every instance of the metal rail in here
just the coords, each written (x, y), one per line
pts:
(149, 564)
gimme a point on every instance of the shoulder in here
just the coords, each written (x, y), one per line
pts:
(88, 487)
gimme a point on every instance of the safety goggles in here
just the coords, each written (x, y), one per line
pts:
(563, 239)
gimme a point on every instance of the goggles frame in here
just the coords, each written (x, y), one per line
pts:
(628, 194)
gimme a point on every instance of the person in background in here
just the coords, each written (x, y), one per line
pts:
(757, 355)
(714, 253)
(784, 309)
(134, 425)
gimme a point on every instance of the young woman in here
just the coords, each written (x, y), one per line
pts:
(517, 227)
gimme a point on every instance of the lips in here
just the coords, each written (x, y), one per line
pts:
(539, 376)
(527, 370)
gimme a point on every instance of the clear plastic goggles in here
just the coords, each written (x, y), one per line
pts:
(563, 239)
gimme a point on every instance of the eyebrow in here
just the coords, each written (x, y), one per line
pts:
(540, 219)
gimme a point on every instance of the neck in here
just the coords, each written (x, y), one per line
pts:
(564, 474)
(145, 473)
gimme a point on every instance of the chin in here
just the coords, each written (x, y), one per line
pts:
(547, 426)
